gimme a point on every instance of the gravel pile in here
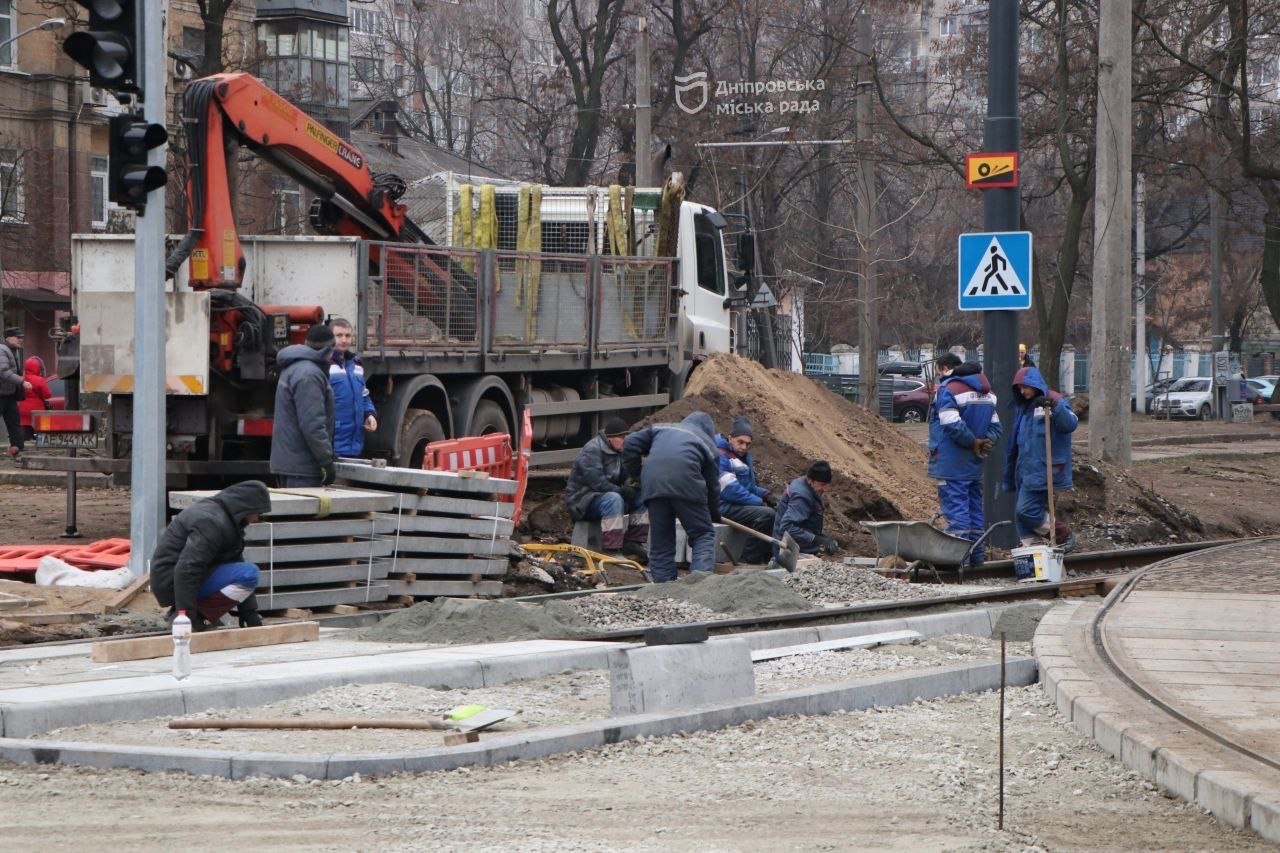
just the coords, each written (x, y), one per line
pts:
(618, 612)
(749, 593)
(462, 620)
(837, 583)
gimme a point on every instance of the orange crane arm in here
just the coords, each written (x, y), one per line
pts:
(225, 111)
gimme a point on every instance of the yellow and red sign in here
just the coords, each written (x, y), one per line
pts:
(989, 171)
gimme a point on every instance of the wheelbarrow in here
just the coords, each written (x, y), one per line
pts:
(924, 546)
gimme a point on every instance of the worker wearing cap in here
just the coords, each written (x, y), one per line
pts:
(12, 386)
(302, 435)
(597, 491)
(801, 511)
(741, 499)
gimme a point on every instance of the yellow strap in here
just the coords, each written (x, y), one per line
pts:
(486, 226)
(324, 499)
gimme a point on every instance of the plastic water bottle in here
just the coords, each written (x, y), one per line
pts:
(181, 645)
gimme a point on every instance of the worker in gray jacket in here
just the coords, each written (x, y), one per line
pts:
(302, 437)
(680, 480)
(198, 565)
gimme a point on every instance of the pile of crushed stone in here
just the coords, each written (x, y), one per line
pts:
(837, 583)
(738, 594)
(618, 612)
(879, 472)
(465, 620)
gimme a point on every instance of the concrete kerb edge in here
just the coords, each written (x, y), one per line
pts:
(881, 691)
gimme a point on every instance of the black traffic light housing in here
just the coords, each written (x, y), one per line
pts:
(129, 177)
(111, 49)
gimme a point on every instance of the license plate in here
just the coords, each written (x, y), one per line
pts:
(66, 439)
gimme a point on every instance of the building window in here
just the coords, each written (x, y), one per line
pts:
(948, 26)
(98, 192)
(308, 62)
(12, 203)
(6, 33)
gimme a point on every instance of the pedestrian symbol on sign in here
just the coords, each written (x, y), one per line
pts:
(995, 271)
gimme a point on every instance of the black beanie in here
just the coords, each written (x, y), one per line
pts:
(820, 471)
(319, 336)
(616, 426)
(741, 426)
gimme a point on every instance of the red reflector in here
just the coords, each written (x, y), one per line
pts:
(254, 427)
(62, 422)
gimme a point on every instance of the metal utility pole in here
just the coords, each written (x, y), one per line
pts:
(1001, 212)
(644, 109)
(1142, 380)
(148, 496)
(868, 322)
(1110, 350)
(1215, 261)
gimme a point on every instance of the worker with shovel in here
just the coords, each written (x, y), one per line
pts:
(741, 499)
(1039, 458)
(802, 509)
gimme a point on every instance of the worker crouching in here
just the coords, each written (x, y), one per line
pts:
(741, 498)
(597, 491)
(802, 510)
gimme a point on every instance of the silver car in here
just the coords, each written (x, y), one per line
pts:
(1189, 397)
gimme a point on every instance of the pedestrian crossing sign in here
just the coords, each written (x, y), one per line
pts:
(995, 271)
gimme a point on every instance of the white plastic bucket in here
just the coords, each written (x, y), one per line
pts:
(1038, 562)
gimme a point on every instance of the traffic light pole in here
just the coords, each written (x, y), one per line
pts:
(1001, 213)
(148, 497)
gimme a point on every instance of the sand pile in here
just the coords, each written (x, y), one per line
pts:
(879, 472)
(462, 620)
(737, 594)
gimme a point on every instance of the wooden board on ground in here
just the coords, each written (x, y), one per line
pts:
(317, 575)
(303, 502)
(318, 552)
(273, 601)
(425, 588)
(320, 528)
(19, 603)
(69, 618)
(410, 544)
(129, 593)
(456, 566)
(414, 479)
(141, 648)
(449, 525)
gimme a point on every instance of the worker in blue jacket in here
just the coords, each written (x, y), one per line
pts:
(353, 411)
(741, 498)
(1025, 471)
(963, 426)
(680, 480)
(802, 511)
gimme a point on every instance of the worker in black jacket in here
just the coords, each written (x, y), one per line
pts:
(597, 491)
(680, 480)
(198, 565)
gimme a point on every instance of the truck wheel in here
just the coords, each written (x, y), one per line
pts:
(488, 417)
(1206, 413)
(421, 427)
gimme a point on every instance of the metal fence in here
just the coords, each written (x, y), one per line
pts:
(540, 300)
(634, 297)
(422, 296)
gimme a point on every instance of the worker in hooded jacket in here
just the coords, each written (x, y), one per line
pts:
(198, 565)
(1035, 409)
(679, 480)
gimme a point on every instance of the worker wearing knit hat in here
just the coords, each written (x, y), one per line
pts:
(802, 509)
(598, 490)
(320, 336)
(616, 426)
(742, 499)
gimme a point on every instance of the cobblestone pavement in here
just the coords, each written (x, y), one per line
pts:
(1252, 568)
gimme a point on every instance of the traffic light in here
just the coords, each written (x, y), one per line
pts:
(129, 177)
(111, 49)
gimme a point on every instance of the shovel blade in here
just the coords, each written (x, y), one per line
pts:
(789, 553)
(483, 720)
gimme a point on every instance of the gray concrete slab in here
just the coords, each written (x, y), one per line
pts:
(666, 678)
(434, 481)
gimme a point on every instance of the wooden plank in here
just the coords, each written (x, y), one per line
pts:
(434, 481)
(141, 648)
(319, 552)
(488, 589)
(445, 566)
(297, 613)
(47, 618)
(424, 545)
(864, 642)
(319, 575)
(129, 593)
(18, 603)
(322, 597)
(449, 525)
(302, 502)
(320, 528)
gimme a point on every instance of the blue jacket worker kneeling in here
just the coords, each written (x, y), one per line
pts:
(198, 564)
(963, 426)
(802, 509)
(741, 498)
(597, 490)
(1036, 408)
(680, 480)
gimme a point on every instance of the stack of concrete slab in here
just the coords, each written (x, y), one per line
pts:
(451, 531)
(318, 547)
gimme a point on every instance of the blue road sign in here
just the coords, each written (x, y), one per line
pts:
(995, 271)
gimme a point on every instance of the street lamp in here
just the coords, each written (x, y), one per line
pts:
(46, 24)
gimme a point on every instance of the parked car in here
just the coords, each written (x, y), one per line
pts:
(911, 399)
(1155, 389)
(1189, 397)
(901, 368)
(1261, 387)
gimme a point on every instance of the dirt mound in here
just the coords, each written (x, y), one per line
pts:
(1108, 508)
(879, 473)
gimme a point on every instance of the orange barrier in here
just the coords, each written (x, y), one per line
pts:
(491, 454)
(102, 554)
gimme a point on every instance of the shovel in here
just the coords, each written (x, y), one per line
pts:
(788, 550)
(1048, 480)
